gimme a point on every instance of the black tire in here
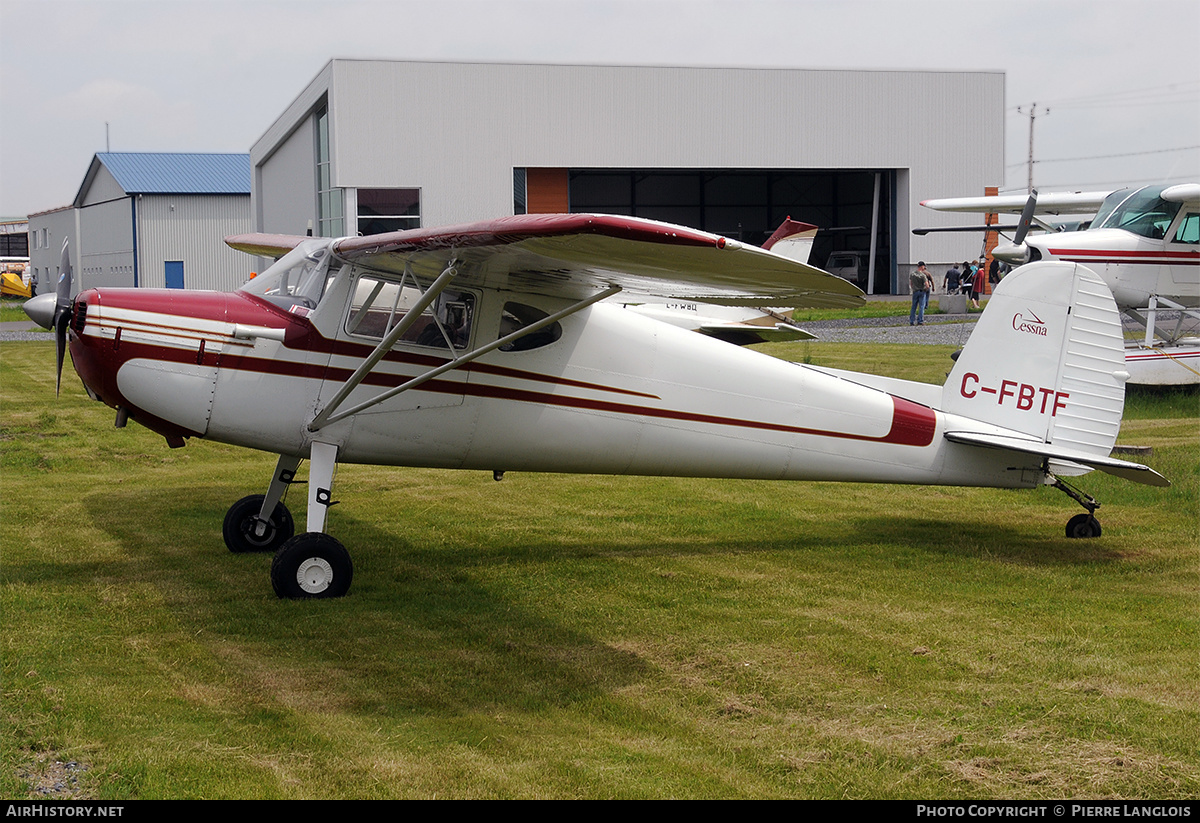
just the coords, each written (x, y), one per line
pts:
(1083, 525)
(239, 526)
(311, 565)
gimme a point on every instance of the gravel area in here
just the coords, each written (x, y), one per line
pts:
(939, 330)
(5, 334)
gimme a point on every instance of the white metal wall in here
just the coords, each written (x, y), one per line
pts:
(51, 228)
(456, 130)
(105, 252)
(193, 228)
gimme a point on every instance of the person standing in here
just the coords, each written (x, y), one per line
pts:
(978, 281)
(952, 280)
(921, 283)
(967, 275)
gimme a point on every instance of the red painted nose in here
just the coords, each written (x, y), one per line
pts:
(142, 351)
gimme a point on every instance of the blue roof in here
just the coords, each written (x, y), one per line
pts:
(155, 173)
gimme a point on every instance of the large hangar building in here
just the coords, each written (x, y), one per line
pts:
(372, 145)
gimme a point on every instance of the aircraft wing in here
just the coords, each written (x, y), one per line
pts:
(576, 255)
(1077, 202)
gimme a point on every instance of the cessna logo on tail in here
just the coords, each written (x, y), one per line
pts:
(1032, 324)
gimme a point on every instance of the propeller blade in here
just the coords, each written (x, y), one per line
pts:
(63, 290)
(61, 320)
(62, 311)
(1026, 219)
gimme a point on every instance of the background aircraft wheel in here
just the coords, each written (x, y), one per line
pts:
(239, 526)
(1083, 525)
(311, 565)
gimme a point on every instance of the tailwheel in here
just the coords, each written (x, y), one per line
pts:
(311, 565)
(1083, 525)
(245, 532)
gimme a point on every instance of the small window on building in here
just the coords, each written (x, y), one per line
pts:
(517, 316)
(520, 200)
(330, 201)
(385, 210)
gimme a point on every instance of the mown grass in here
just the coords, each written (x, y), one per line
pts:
(11, 311)
(564, 636)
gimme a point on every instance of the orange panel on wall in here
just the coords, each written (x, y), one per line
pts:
(546, 191)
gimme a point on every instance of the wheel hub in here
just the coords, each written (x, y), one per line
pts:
(315, 575)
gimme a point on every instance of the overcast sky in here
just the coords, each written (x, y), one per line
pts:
(1120, 79)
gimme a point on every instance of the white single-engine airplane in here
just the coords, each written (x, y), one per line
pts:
(1144, 243)
(485, 346)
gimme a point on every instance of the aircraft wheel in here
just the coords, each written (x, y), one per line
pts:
(311, 565)
(240, 521)
(1083, 525)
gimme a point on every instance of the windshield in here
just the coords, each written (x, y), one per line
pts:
(297, 280)
(1143, 212)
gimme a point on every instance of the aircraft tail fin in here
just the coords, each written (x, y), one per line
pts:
(793, 240)
(1046, 362)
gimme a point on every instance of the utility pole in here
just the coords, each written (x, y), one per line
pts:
(1032, 115)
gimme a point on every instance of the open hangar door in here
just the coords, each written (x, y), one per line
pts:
(745, 204)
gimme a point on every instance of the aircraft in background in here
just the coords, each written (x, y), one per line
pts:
(739, 325)
(14, 274)
(487, 347)
(1144, 243)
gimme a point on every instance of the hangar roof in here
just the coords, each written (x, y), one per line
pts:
(158, 173)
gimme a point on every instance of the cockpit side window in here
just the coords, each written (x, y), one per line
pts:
(517, 316)
(378, 304)
(1189, 229)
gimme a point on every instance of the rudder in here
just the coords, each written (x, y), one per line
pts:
(1046, 359)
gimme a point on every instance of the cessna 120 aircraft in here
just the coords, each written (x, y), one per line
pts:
(1144, 243)
(487, 347)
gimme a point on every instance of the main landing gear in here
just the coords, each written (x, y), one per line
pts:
(306, 566)
(1081, 525)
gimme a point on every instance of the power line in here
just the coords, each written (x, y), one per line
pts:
(1187, 88)
(1107, 156)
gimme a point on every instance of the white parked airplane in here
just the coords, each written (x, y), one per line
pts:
(739, 325)
(486, 347)
(1144, 243)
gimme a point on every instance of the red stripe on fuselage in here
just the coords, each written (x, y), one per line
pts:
(1158, 258)
(912, 424)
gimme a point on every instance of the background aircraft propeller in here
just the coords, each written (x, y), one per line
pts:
(1016, 253)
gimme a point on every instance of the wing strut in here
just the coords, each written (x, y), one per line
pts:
(385, 345)
(327, 416)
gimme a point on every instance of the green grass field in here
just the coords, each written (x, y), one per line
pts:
(576, 636)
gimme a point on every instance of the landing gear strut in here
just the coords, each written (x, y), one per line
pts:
(306, 566)
(1081, 525)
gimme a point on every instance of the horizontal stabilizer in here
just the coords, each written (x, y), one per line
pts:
(1121, 468)
(743, 334)
(265, 245)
